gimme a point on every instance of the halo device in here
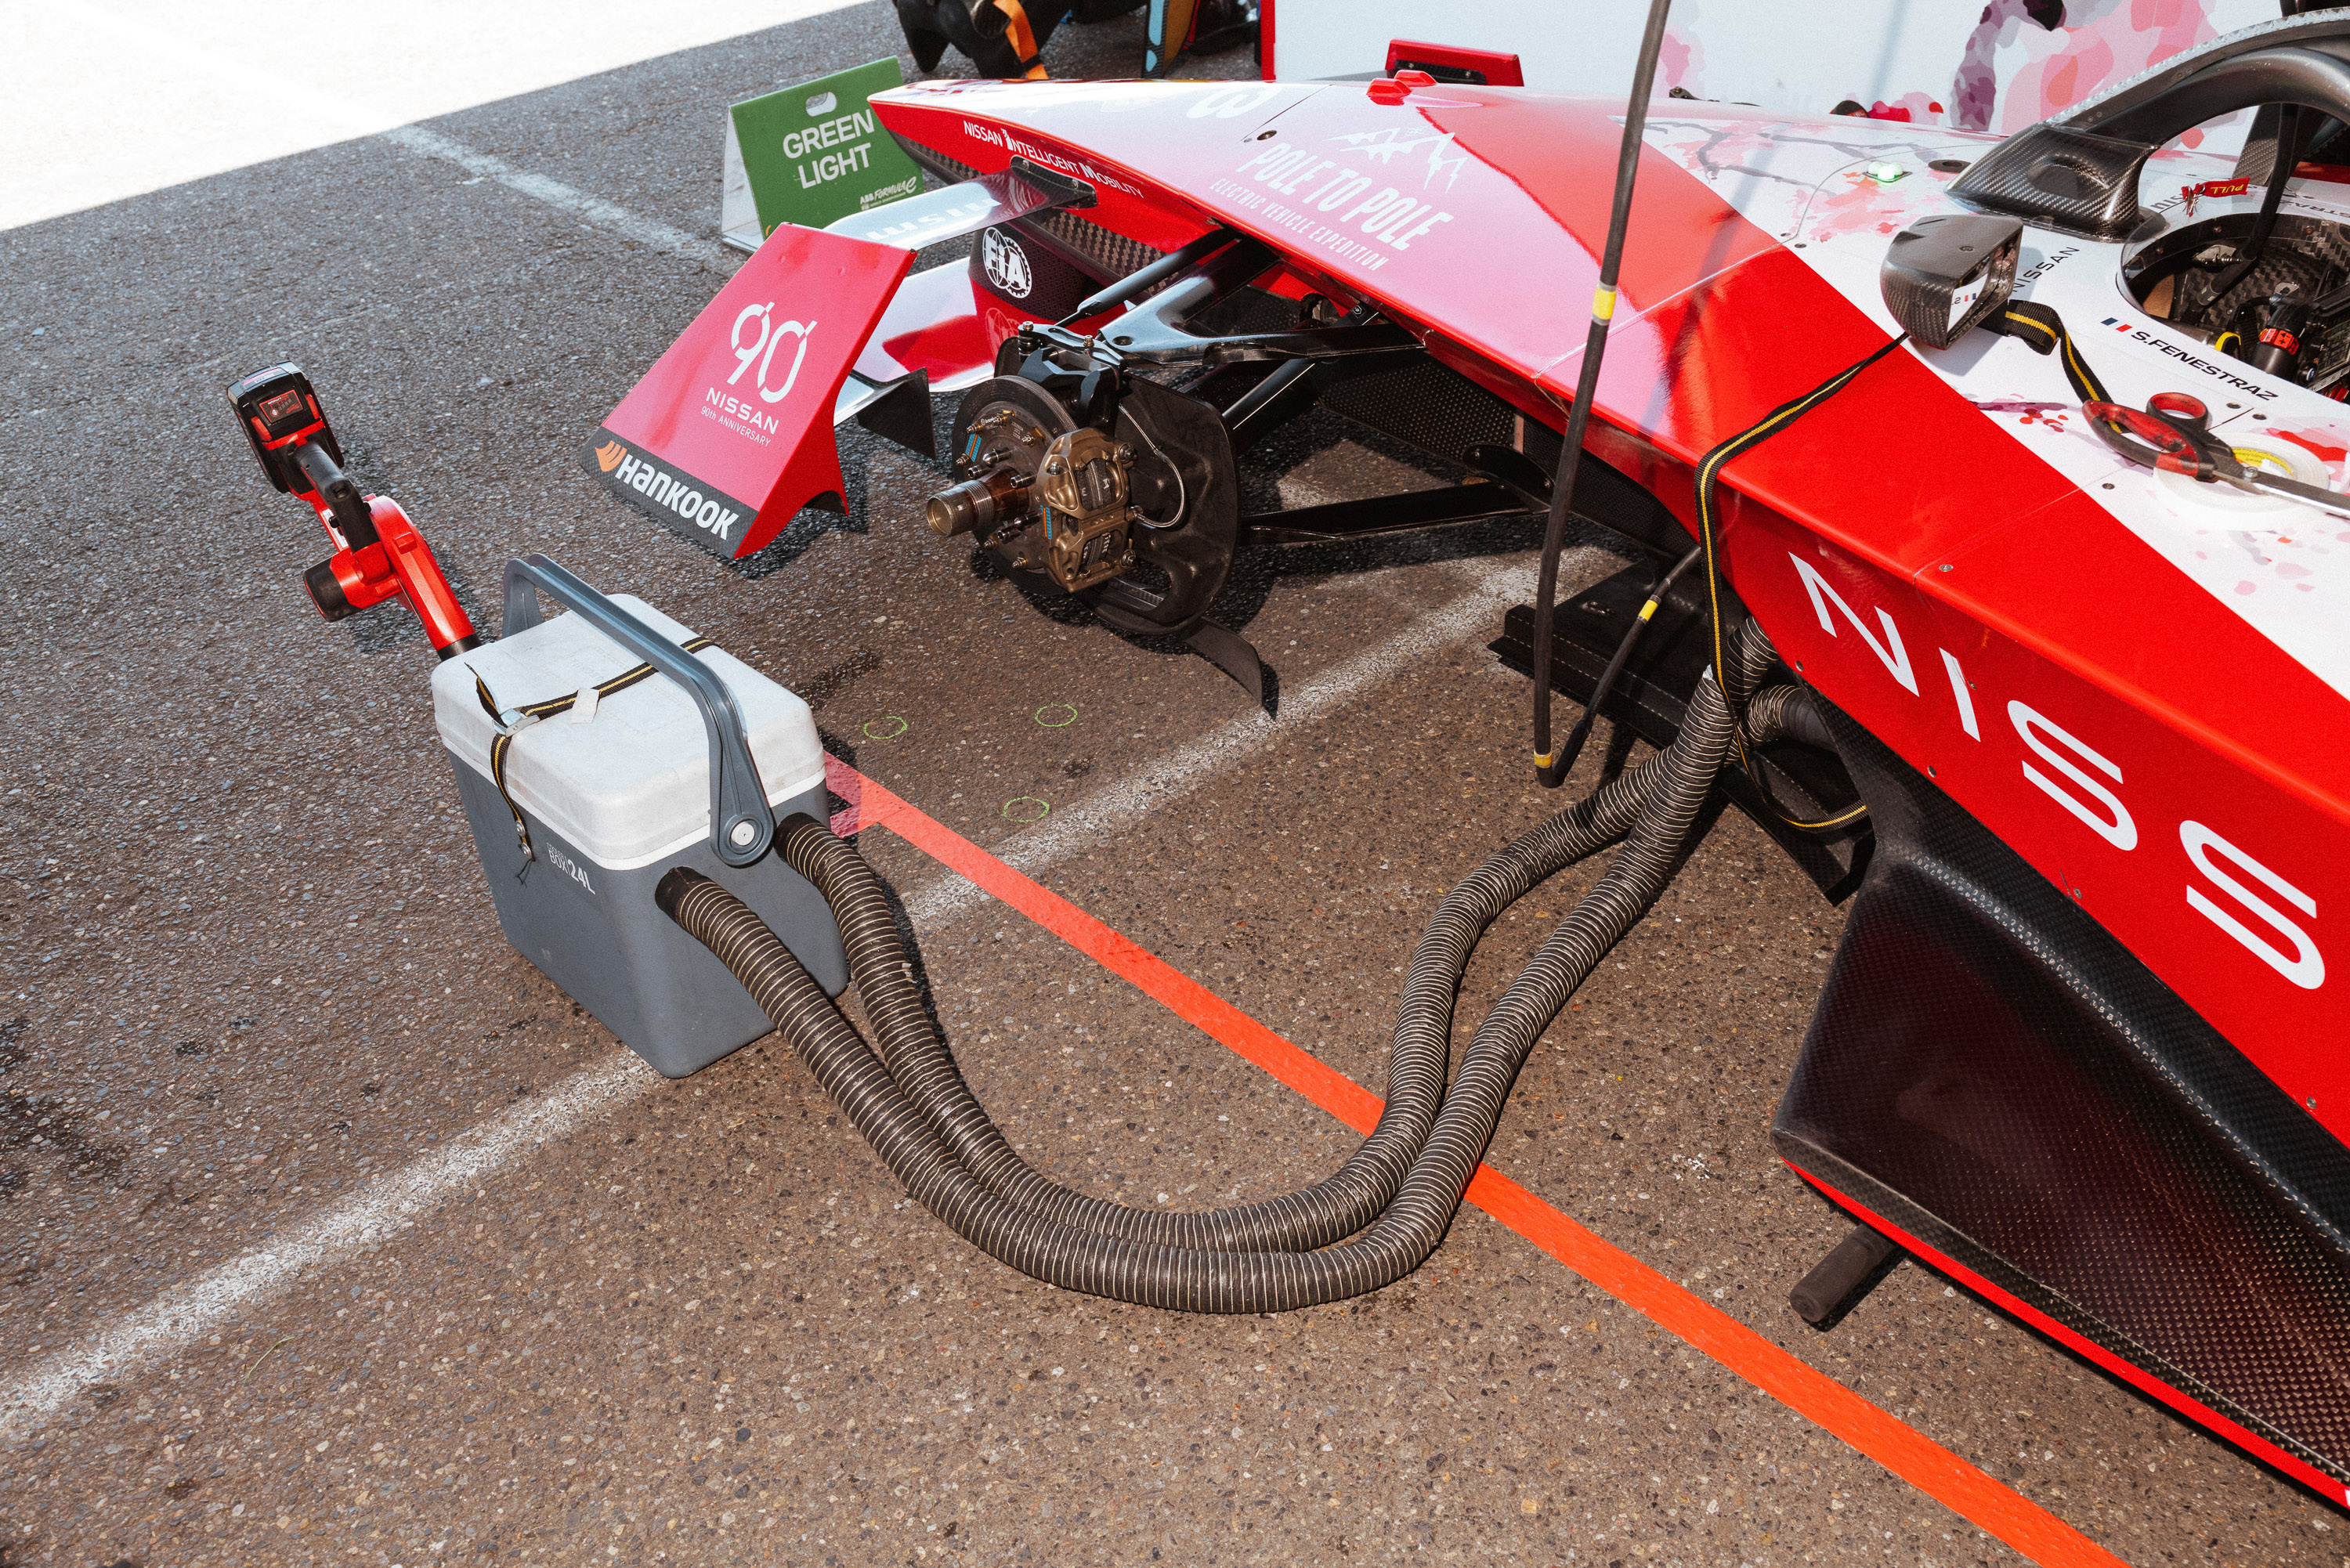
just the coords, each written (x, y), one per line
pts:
(378, 554)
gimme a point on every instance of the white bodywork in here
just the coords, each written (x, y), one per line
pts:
(2283, 567)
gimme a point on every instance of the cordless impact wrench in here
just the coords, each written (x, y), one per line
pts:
(378, 551)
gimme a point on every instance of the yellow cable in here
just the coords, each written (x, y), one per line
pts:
(1709, 469)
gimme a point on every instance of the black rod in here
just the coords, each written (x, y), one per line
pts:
(1587, 384)
(1147, 277)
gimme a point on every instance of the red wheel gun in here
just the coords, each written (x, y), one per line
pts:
(377, 551)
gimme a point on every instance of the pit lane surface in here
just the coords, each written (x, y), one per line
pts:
(260, 987)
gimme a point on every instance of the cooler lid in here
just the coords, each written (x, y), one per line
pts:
(631, 785)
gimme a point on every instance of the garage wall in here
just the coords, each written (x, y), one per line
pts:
(1959, 63)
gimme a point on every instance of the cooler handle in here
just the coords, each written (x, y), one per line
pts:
(742, 828)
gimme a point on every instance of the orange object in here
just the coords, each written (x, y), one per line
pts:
(1023, 36)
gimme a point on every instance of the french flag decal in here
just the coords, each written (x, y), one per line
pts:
(2115, 322)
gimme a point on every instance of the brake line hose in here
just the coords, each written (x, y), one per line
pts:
(910, 1103)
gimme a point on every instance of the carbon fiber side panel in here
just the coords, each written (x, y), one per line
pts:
(1042, 284)
(1106, 255)
(1111, 256)
(2054, 175)
(1431, 406)
(1994, 1073)
(938, 164)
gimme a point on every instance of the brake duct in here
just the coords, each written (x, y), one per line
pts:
(1387, 1207)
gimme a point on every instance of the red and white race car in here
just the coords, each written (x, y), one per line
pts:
(2076, 624)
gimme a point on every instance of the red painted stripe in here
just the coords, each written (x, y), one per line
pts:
(1907, 1453)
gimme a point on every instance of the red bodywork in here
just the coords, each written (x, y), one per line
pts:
(2104, 715)
(2113, 768)
(1961, 598)
(1499, 69)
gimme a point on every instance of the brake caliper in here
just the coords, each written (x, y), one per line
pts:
(1082, 493)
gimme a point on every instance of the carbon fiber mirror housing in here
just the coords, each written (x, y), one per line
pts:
(1944, 275)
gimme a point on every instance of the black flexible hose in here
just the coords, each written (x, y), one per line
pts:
(1786, 712)
(1329, 1210)
(1669, 792)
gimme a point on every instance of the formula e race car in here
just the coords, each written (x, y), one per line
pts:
(2025, 455)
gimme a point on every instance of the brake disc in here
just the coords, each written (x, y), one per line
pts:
(1185, 496)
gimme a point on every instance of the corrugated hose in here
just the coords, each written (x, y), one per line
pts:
(1395, 1196)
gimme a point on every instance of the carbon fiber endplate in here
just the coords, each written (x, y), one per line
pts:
(1993, 1074)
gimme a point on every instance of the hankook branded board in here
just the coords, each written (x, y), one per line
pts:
(729, 433)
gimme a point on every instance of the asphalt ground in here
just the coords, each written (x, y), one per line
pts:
(583, 1314)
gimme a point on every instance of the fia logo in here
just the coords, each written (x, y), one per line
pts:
(1007, 263)
(761, 351)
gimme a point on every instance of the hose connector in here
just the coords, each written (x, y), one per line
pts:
(675, 885)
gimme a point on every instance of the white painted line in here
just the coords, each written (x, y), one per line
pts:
(1474, 616)
(352, 117)
(588, 209)
(184, 1315)
(106, 100)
